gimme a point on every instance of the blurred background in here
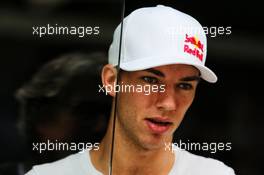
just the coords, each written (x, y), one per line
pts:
(228, 111)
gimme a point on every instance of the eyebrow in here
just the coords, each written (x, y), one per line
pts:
(188, 78)
(156, 72)
(191, 78)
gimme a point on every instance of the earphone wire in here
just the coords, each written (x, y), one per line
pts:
(116, 96)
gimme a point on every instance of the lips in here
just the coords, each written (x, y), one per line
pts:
(158, 125)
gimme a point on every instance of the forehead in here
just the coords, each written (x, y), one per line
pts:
(175, 70)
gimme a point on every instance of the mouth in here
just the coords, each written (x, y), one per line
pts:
(158, 125)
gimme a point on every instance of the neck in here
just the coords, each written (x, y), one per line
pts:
(129, 158)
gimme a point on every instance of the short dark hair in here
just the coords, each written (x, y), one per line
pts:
(65, 83)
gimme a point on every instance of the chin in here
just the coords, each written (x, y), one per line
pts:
(154, 143)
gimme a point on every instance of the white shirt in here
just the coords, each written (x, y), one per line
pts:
(185, 164)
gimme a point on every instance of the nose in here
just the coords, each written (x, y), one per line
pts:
(166, 101)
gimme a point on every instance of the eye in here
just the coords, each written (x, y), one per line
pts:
(150, 80)
(185, 86)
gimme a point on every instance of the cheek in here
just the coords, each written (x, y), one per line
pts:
(186, 101)
(135, 103)
(183, 105)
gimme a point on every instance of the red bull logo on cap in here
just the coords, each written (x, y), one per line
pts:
(198, 48)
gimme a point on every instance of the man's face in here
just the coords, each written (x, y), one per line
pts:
(150, 120)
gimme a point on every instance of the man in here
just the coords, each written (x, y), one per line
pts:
(161, 48)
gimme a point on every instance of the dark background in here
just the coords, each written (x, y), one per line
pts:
(228, 111)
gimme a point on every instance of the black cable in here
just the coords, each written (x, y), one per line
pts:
(117, 82)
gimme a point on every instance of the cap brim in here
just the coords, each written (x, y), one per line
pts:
(141, 64)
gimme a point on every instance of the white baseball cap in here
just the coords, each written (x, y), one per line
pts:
(157, 36)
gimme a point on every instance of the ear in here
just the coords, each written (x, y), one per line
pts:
(109, 76)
